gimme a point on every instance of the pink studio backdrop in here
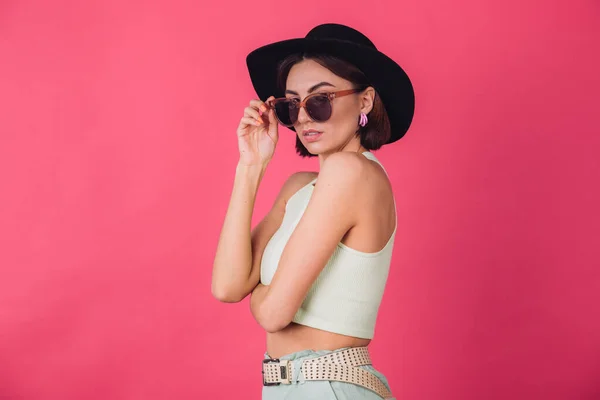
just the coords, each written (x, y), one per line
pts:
(117, 155)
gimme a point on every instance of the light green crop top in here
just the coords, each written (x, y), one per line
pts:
(346, 295)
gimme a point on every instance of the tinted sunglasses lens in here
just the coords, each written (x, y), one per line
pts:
(319, 108)
(286, 112)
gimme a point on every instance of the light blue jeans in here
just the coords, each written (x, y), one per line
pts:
(301, 389)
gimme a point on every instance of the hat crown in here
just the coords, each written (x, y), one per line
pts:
(339, 32)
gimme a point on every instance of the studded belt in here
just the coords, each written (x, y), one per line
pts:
(339, 366)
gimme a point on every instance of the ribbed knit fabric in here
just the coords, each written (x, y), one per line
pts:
(346, 295)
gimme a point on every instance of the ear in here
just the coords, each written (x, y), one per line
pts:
(367, 97)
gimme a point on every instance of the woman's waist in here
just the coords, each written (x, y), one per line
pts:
(296, 337)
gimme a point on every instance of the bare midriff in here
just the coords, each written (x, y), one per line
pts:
(296, 337)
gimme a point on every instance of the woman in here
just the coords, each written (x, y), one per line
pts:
(317, 264)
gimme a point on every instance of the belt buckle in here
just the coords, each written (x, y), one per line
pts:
(284, 371)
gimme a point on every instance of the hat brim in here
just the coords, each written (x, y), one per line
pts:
(389, 79)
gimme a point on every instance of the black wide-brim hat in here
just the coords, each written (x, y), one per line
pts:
(384, 74)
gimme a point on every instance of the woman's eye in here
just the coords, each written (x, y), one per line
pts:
(321, 98)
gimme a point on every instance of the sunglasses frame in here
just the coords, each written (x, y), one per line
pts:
(330, 97)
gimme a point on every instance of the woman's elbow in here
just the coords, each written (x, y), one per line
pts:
(271, 327)
(273, 323)
(225, 295)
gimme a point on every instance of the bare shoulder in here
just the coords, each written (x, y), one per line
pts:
(295, 182)
(344, 159)
(346, 170)
(364, 180)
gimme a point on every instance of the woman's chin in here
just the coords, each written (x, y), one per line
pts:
(314, 147)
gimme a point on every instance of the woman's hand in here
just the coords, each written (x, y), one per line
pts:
(257, 134)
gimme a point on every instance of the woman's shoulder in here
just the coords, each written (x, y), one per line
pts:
(356, 170)
(300, 179)
(295, 182)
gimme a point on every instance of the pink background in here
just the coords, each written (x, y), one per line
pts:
(117, 154)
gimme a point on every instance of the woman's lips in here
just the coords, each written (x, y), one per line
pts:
(312, 135)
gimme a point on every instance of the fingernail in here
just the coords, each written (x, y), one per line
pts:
(261, 121)
(260, 111)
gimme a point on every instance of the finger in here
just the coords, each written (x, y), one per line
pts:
(251, 112)
(259, 105)
(273, 126)
(272, 118)
(269, 99)
(256, 103)
(249, 121)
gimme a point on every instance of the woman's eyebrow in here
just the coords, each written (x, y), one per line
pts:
(312, 89)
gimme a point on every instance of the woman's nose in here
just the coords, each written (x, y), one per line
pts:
(303, 116)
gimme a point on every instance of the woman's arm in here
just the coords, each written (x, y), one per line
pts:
(331, 212)
(236, 269)
(256, 300)
(233, 260)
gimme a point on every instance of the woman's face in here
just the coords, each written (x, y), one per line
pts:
(335, 134)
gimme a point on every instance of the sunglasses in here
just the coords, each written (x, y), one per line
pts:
(318, 106)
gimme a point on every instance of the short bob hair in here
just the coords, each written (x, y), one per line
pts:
(377, 131)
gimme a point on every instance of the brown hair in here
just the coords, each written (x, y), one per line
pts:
(377, 131)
